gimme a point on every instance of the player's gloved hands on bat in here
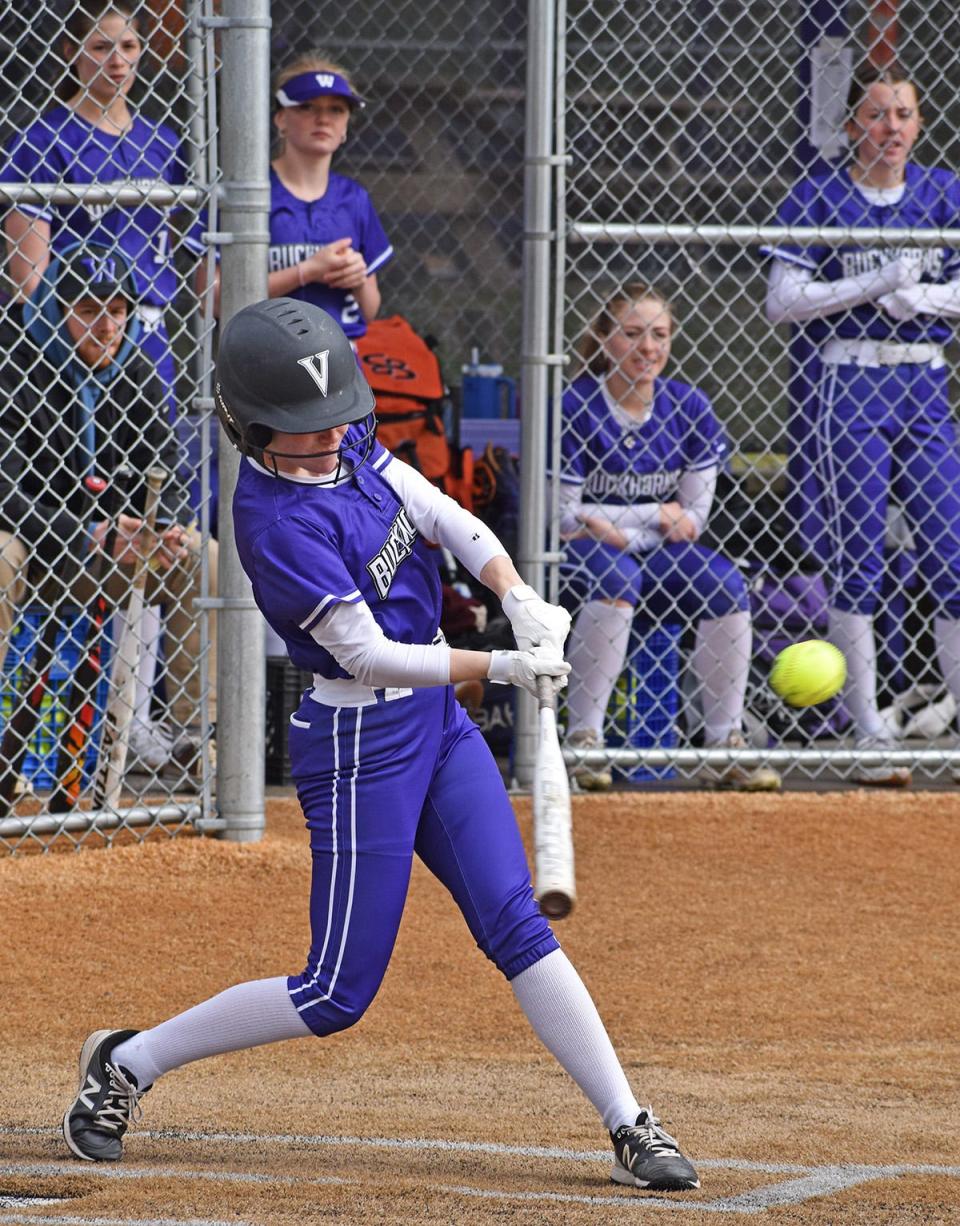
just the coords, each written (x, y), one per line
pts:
(535, 622)
(524, 667)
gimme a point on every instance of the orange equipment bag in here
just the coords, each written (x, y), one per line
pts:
(404, 373)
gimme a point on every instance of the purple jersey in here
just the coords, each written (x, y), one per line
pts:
(931, 199)
(298, 228)
(60, 148)
(624, 465)
(308, 547)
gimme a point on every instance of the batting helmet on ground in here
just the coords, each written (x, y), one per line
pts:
(286, 365)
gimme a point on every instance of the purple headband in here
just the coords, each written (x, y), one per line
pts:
(307, 85)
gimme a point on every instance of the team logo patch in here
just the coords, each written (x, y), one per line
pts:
(316, 366)
(398, 545)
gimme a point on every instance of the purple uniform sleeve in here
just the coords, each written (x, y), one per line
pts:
(374, 244)
(706, 441)
(802, 207)
(33, 158)
(305, 571)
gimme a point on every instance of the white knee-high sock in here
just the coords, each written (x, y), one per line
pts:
(597, 649)
(721, 663)
(246, 1015)
(946, 633)
(561, 1011)
(852, 633)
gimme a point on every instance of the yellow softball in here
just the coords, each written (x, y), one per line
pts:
(806, 673)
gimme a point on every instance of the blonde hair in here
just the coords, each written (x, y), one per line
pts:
(590, 349)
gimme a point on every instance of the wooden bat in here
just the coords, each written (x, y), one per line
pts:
(26, 716)
(81, 704)
(554, 879)
(123, 691)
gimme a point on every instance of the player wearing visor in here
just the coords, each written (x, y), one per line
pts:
(332, 531)
(326, 241)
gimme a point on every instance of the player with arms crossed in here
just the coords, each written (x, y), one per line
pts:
(881, 424)
(332, 531)
(639, 461)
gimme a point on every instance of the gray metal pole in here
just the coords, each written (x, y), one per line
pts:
(535, 337)
(244, 217)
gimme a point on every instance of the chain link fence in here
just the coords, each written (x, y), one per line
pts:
(108, 159)
(683, 131)
(686, 128)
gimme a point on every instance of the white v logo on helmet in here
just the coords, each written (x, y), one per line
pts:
(316, 367)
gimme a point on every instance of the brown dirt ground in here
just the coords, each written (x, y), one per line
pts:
(779, 974)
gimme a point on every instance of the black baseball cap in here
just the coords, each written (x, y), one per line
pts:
(92, 270)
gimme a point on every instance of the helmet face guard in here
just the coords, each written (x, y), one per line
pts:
(287, 366)
(357, 450)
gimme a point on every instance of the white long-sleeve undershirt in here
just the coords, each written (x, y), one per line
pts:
(794, 295)
(640, 522)
(352, 636)
(349, 631)
(441, 520)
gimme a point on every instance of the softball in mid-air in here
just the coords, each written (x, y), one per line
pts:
(806, 673)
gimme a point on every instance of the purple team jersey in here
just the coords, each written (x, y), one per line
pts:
(625, 466)
(59, 148)
(298, 228)
(930, 200)
(308, 547)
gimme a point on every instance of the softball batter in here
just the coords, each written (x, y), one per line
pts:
(332, 532)
(881, 425)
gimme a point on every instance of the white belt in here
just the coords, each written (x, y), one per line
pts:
(348, 692)
(840, 352)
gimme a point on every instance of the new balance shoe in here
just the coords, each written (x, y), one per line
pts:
(645, 1156)
(743, 778)
(106, 1103)
(589, 778)
(881, 776)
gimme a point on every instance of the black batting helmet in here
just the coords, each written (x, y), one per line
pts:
(287, 365)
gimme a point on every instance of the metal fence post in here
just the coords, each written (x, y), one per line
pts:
(535, 336)
(244, 214)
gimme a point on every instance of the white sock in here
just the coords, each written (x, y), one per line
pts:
(561, 1011)
(946, 633)
(246, 1015)
(597, 649)
(720, 663)
(852, 633)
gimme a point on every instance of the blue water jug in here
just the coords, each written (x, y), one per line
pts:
(487, 391)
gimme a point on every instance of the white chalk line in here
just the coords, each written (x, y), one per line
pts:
(65, 1220)
(813, 1182)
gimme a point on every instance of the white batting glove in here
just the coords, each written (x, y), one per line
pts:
(905, 303)
(535, 622)
(524, 667)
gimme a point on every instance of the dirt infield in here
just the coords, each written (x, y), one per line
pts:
(780, 975)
